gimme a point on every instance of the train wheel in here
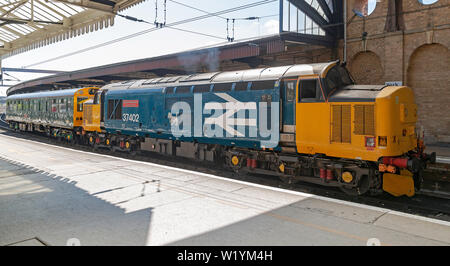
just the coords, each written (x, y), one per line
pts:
(235, 162)
(69, 139)
(360, 189)
(91, 140)
(108, 143)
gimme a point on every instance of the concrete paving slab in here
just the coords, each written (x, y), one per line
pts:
(221, 185)
(400, 223)
(361, 215)
(103, 200)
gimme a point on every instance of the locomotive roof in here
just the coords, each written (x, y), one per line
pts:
(59, 93)
(269, 73)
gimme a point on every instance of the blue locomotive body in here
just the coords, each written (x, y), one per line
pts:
(228, 114)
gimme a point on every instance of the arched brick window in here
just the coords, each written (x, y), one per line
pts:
(427, 2)
(366, 68)
(364, 8)
(427, 75)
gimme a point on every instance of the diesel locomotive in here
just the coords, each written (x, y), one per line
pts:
(306, 122)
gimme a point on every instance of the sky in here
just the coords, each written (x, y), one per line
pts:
(160, 42)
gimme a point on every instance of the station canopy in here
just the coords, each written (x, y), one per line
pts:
(29, 24)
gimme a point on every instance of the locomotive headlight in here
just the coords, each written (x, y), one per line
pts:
(370, 142)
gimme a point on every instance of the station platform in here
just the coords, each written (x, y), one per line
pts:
(442, 151)
(51, 195)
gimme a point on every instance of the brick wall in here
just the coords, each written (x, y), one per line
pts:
(415, 51)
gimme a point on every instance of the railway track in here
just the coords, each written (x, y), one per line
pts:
(431, 202)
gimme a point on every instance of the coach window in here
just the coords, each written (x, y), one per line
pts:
(263, 85)
(309, 90)
(69, 104)
(221, 87)
(54, 106)
(62, 106)
(80, 101)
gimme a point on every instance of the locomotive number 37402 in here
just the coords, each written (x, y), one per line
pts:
(130, 117)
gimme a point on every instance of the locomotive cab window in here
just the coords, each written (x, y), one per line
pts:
(337, 78)
(97, 98)
(309, 90)
(80, 101)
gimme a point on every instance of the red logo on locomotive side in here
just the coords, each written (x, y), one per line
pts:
(130, 103)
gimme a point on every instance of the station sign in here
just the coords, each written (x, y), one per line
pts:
(393, 83)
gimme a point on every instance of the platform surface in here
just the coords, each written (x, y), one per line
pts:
(51, 195)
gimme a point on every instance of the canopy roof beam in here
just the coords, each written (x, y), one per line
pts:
(326, 9)
(312, 13)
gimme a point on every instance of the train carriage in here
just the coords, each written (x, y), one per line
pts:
(58, 113)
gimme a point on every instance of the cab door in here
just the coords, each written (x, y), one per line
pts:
(288, 87)
(312, 115)
(287, 110)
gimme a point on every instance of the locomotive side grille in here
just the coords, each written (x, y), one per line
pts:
(341, 124)
(359, 120)
(346, 123)
(336, 123)
(369, 120)
(88, 114)
(364, 120)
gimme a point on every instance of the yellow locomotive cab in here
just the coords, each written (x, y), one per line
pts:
(91, 113)
(81, 96)
(363, 123)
